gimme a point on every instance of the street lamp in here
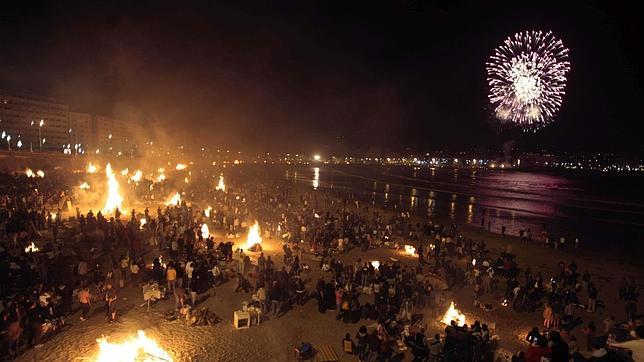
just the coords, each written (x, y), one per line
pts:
(40, 142)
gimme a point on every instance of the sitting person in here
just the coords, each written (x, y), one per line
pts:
(243, 284)
(304, 351)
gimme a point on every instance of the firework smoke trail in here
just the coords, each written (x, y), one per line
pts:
(527, 78)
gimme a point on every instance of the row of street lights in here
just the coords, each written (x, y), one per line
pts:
(78, 147)
(41, 140)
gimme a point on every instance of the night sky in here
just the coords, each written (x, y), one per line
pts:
(305, 76)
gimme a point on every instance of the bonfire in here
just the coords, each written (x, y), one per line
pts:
(410, 250)
(142, 223)
(180, 166)
(207, 211)
(221, 186)
(175, 199)
(137, 176)
(31, 248)
(375, 264)
(254, 237)
(205, 232)
(91, 168)
(84, 186)
(453, 314)
(133, 349)
(114, 199)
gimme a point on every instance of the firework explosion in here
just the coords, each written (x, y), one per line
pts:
(527, 78)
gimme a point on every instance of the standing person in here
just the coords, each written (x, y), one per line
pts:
(241, 261)
(110, 302)
(275, 296)
(630, 308)
(261, 262)
(261, 297)
(585, 280)
(300, 290)
(435, 348)
(419, 350)
(194, 286)
(548, 316)
(35, 316)
(556, 314)
(134, 273)
(592, 297)
(84, 298)
(590, 331)
(179, 297)
(171, 277)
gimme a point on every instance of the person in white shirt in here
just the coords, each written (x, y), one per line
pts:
(189, 269)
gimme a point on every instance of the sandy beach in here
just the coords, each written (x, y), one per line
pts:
(275, 338)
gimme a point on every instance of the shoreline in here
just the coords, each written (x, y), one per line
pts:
(513, 325)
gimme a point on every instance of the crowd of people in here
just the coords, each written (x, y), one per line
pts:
(90, 258)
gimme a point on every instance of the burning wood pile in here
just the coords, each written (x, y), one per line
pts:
(254, 240)
(133, 349)
(453, 314)
(31, 248)
(410, 250)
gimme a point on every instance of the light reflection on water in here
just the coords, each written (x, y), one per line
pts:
(316, 178)
(502, 198)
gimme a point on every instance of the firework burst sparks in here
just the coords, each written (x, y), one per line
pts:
(527, 78)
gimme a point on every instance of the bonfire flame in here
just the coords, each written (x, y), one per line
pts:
(174, 200)
(142, 223)
(91, 168)
(453, 314)
(29, 173)
(180, 166)
(221, 186)
(125, 172)
(410, 250)
(114, 199)
(375, 264)
(161, 178)
(141, 348)
(40, 173)
(185, 179)
(207, 211)
(31, 248)
(253, 236)
(84, 186)
(205, 232)
(137, 176)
